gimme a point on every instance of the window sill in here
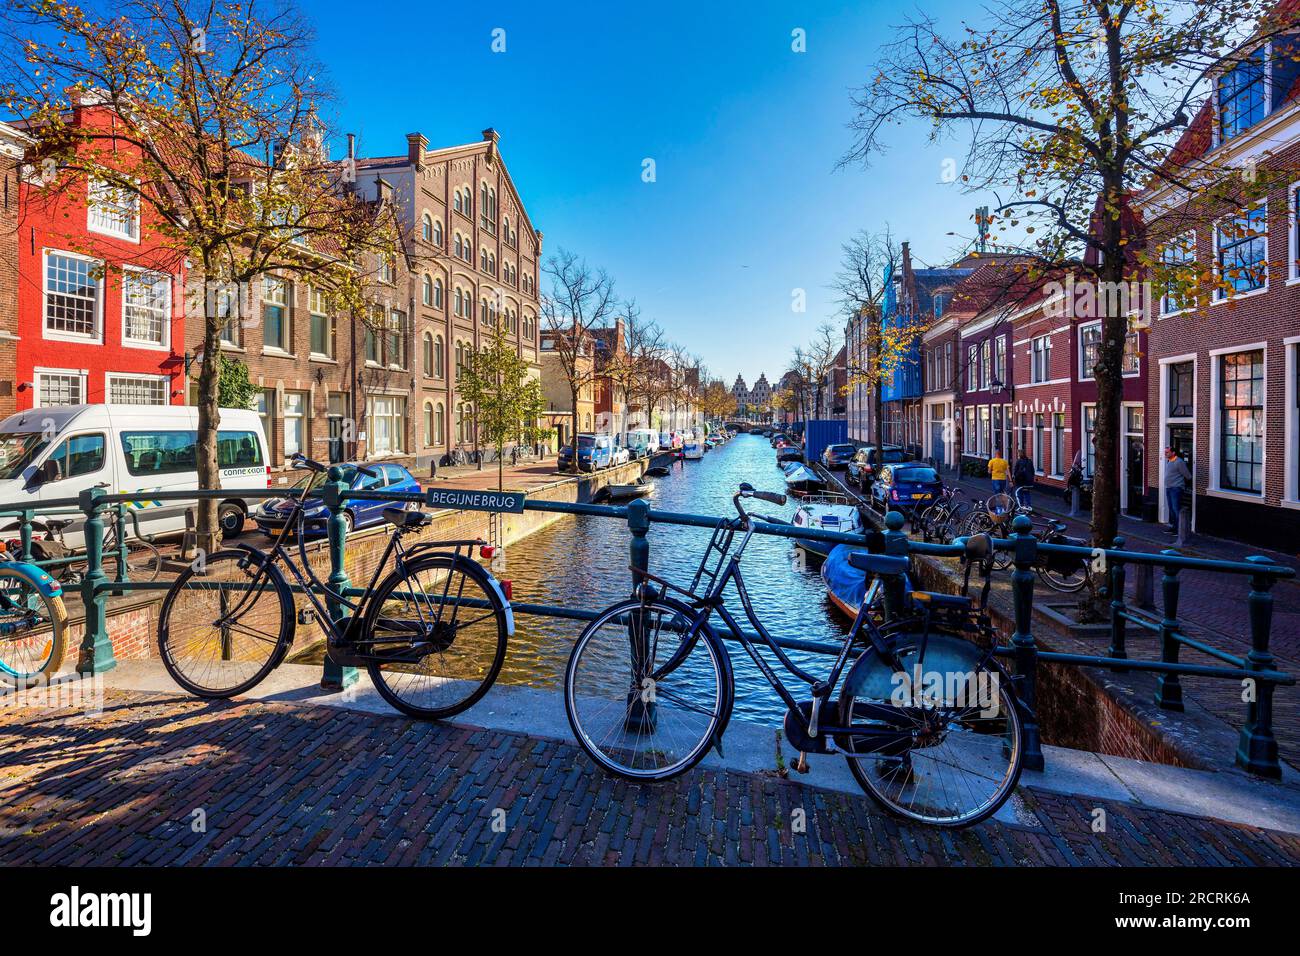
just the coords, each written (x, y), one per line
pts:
(231, 347)
(277, 352)
(78, 339)
(1250, 497)
(318, 357)
(1239, 296)
(121, 236)
(148, 346)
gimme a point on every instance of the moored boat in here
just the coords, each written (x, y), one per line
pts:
(826, 513)
(636, 489)
(693, 450)
(802, 480)
(845, 585)
(658, 471)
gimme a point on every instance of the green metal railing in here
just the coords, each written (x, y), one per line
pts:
(27, 518)
(1257, 749)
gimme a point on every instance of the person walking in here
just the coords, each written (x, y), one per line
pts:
(1023, 474)
(1177, 474)
(998, 471)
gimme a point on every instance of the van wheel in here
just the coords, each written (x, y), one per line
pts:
(230, 518)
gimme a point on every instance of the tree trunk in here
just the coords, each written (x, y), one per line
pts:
(209, 534)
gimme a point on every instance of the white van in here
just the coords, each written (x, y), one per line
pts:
(58, 452)
(642, 442)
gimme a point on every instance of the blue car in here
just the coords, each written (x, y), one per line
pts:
(271, 515)
(565, 461)
(905, 487)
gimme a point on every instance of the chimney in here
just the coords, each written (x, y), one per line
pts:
(491, 137)
(352, 146)
(383, 191)
(416, 144)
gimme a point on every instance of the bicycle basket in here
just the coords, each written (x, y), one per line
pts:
(1000, 508)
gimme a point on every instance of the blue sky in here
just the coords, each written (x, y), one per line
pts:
(745, 135)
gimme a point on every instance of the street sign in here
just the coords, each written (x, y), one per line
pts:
(464, 500)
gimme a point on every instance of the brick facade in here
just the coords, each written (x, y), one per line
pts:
(13, 145)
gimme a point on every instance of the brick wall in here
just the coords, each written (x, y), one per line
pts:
(9, 164)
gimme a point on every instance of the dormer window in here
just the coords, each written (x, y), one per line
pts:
(1242, 95)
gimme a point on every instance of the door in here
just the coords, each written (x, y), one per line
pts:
(1182, 440)
(1134, 475)
(78, 462)
(938, 448)
(336, 413)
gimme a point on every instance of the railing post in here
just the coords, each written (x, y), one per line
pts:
(1169, 687)
(335, 677)
(119, 517)
(1257, 749)
(640, 699)
(896, 545)
(1026, 649)
(25, 533)
(638, 525)
(1118, 623)
(96, 653)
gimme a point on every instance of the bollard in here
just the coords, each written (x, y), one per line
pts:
(1076, 497)
(1026, 650)
(96, 653)
(1169, 687)
(25, 533)
(1257, 748)
(1118, 623)
(1184, 519)
(640, 699)
(1144, 587)
(335, 677)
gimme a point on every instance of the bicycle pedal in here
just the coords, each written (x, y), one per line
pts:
(306, 616)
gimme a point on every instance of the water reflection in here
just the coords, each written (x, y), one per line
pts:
(583, 562)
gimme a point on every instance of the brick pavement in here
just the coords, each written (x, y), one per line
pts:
(284, 784)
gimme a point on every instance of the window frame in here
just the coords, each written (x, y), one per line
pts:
(165, 323)
(112, 378)
(95, 337)
(1220, 295)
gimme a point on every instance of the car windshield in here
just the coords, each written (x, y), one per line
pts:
(894, 454)
(17, 450)
(586, 441)
(926, 475)
(841, 449)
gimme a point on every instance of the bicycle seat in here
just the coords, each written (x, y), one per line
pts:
(935, 599)
(877, 564)
(57, 525)
(406, 520)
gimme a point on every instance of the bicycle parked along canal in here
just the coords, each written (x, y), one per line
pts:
(432, 633)
(649, 686)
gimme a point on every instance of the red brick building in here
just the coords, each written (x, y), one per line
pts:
(1223, 389)
(100, 293)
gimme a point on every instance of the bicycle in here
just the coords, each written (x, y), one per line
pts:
(33, 622)
(649, 688)
(229, 619)
(143, 559)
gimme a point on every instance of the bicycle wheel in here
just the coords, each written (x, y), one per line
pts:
(963, 755)
(1058, 580)
(219, 632)
(644, 701)
(438, 630)
(143, 562)
(32, 638)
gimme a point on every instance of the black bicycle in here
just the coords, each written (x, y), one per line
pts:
(432, 633)
(927, 719)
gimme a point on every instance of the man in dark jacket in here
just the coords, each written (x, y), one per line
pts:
(1023, 474)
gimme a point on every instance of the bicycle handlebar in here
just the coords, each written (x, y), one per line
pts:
(302, 461)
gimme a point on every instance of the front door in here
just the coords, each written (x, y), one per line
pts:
(939, 448)
(1134, 475)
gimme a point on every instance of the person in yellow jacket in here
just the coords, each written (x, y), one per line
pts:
(998, 471)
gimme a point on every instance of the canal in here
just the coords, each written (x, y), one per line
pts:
(582, 562)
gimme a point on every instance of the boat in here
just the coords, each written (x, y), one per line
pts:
(788, 453)
(803, 480)
(826, 513)
(692, 450)
(658, 471)
(845, 585)
(636, 489)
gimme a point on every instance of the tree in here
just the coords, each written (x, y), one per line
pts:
(234, 390)
(1068, 111)
(506, 396)
(581, 299)
(716, 400)
(203, 112)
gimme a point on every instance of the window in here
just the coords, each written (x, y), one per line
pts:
(984, 445)
(426, 290)
(1000, 361)
(239, 450)
(227, 303)
(387, 269)
(1241, 422)
(1089, 448)
(427, 353)
(159, 452)
(1180, 382)
(439, 424)
(138, 389)
(113, 210)
(1039, 426)
(439, 364)
(146, 307)
(295, 423)
(275, 313)
(972, 368)
(1089, 342)
(387, 424)
(1040, 358)
(1058, 444)
(986, 363)
(997, 430)
(437, 293)
(1177, 262)
(426, 227)
(437, 233)
(1241, 244)
(322, 323)
(1240, 94)
(60, 388)
(79, 455)
(71, 296)
(396, 345)
(428, 423)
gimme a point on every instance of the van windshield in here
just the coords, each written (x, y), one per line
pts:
(17, 451)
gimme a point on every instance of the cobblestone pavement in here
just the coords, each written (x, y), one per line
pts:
(157, 779)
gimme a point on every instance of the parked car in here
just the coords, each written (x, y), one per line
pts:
(862, 466)
(904, 487)
(595, 452)
(837, 456)
(61, 451)
(642, 442)
(621, 456)
(271, 515)
(565, 460)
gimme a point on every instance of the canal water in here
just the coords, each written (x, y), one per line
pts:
(582, 562)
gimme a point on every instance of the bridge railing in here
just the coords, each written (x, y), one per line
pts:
(1257, 749)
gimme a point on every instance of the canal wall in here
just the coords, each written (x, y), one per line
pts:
(133, 618)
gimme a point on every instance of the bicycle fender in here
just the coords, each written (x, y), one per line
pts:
(37, 577)
(495, 585)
